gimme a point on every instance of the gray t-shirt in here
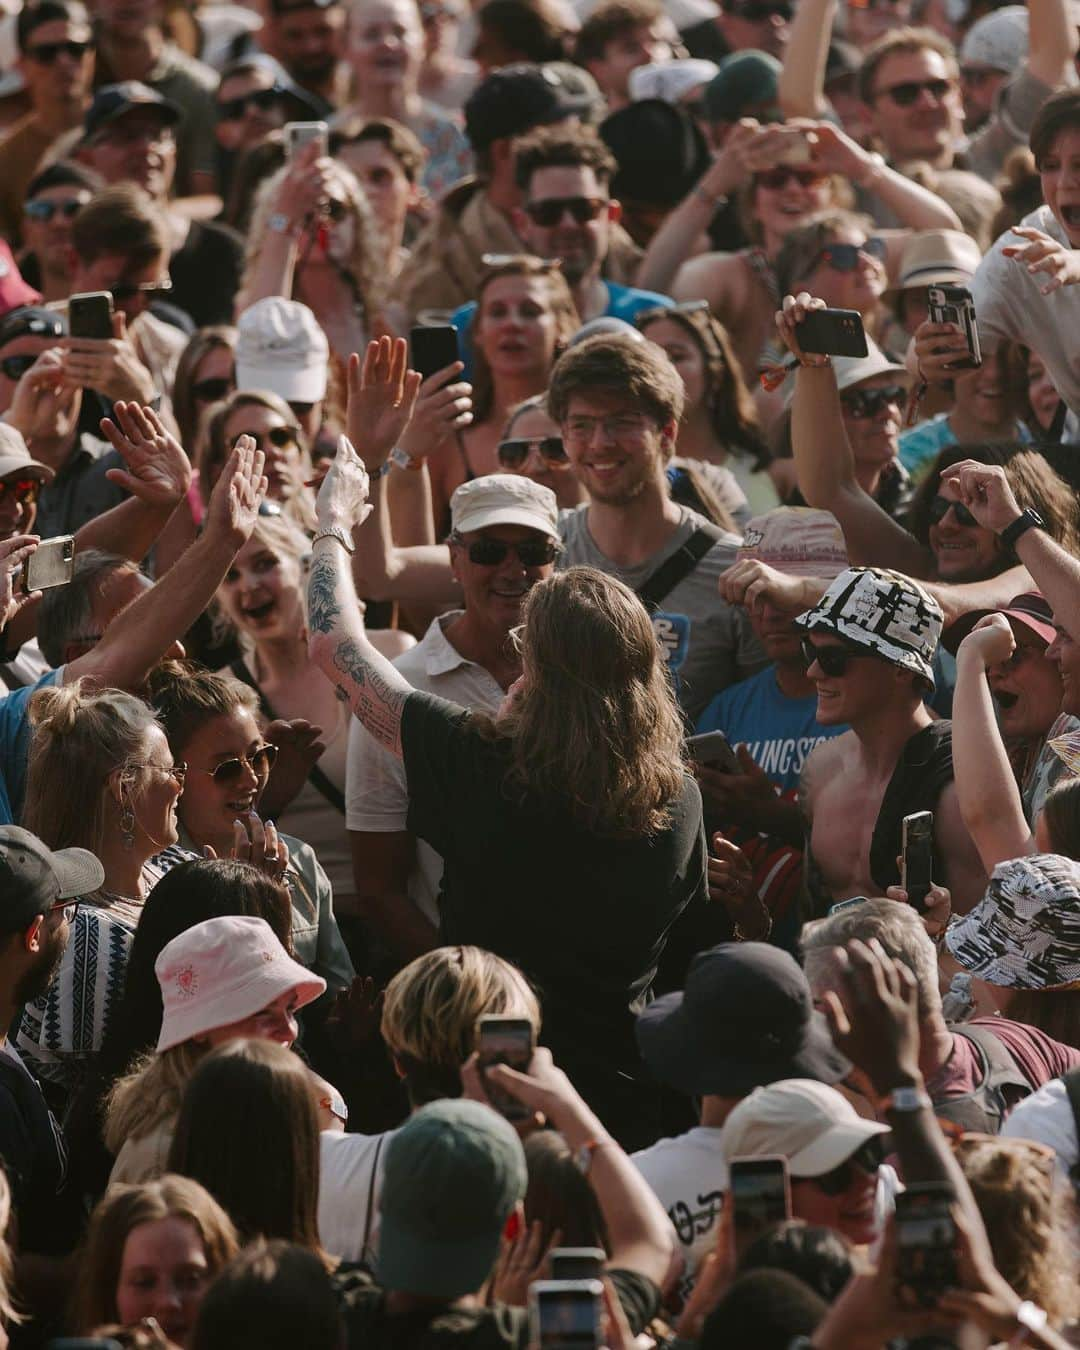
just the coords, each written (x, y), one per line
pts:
(707, 642)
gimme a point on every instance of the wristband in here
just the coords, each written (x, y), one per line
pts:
(713, 199)
(399, 457)
(583, 1156)
(1029, 1317)
(906, 1100)
(335, 532)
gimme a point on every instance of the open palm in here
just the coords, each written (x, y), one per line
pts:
(382, 395)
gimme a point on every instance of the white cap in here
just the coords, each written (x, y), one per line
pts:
(504, 499)
(810, 1124)
(999, 40)
(852, 370)
(15, 458)
(670, 80)
(281, 348)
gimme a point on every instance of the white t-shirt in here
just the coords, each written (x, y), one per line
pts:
(689, 1176)
(350, 1183)
(1047, 1117)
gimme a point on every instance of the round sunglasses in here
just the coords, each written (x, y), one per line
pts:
(281, 438)
(940, 507)
(231, 771)
(233, 109)
(514, 452)
(529, 552)
(906, 92)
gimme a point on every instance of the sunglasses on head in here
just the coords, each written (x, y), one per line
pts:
(784, 174)
(869, 402)
(210, 391)
(47, 53)
(845, 257)
(905, 93)
(45, 210)
(22, 489)
(832, 660)
(232, 109)
(550, 212)
(230, 771)
(514, 452)
(529, 552)
(868, 1159)
(149, 290)
(15, 367)
(941, 506)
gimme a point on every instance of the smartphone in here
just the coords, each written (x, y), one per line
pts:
(841, 905)
(51, 564)
(299, 134)
(953, 304)
(577, 1263)
(505, 1040)
(90, 315)
(926, 1240)
(713, 748)
(796, 149)
(566, 1314)
(760, 1191)
(432, 349)
(917, 858)
(833, 332)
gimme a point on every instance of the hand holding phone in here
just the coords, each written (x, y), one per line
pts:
(299, 134)
(832, 332)
(714, 749)
(566, 1314)
(760, 1193)
(432, 349)
(926, 1240)
(51, 564)
(90, 315)
(505, 1040)
(917, 858)
(953, 304)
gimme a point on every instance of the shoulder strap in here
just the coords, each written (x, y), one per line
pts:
(1000, 1065)
(659, 584)
(370, 1210)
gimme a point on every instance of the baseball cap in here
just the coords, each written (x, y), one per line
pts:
(15, 293)
(34, 877)
(1031, 610)
(810, 1124)
(884, 612)
(504, 499)
(281, 347)
(743, 80)
(1025, 931)
(112, 101)
(454, 1172)
(999, 40)
(659, 149)
(745, 1018)
(797, 540)
(15, 457)
(938, 258)
(852, 370)
(670, 80)
(30, 321)
(222, 970)
(513, 99)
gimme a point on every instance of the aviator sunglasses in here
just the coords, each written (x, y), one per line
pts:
(514, 452)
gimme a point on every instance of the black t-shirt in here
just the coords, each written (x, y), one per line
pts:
(34, 1156)
(205, 272)
(585, 917)
(368, 1326)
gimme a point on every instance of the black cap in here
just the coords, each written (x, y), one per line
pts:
(30, 321)
(514, 99)
(114, 100)
(33, 878)
(660, 151)
(745, 1019)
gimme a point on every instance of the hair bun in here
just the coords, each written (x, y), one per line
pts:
(55, 709)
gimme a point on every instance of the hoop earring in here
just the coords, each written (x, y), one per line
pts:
(127, 824)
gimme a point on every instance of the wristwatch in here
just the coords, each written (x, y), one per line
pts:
(906, 1099)
(280, 223)
(1026, 520)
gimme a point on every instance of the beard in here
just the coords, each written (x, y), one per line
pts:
(36, 979)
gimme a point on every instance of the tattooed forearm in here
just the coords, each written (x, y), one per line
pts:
(376, 701)
(323, 606)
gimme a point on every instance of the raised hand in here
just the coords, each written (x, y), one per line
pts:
(234, 502)
(753, 584)
(13, 553)
(343, 496)
(441, 409)
(984, 490)
(874, 1020)
(42, 399)
(382, 395)
(794, 311)
(940, 351)
(300, 748)
(111, 366)
(1044, 257)
(158, 471)
(991, 640)
(522, 1260)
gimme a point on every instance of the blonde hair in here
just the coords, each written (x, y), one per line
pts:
(280, 534)
(596, 730)
(149, 1093)
(431, 1009)
(80, 737)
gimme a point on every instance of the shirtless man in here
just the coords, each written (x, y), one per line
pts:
(873, 636)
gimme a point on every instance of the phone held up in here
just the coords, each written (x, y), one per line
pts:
(833, 332)
(432, 348)
(566, 1314)
(917, 858)
(926, 1240)
(953, 304)
(760, 1191)
(299, 134)
(51, 564)
(90, 315)
(505, 1040)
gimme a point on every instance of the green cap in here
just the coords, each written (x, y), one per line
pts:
(454, 1172)
(746, 80)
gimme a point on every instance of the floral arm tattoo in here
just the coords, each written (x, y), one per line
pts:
(339, 646)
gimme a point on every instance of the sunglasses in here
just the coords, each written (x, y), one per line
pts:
(231, 771)
(46, 54)
(784, 174)
(45, 210)
(905, 93)
(529, 552)
(832, 660)
(281, 438)
(550, 212)
(150, 290)
(845, 257)
(514, 452)
(868, 1159)
(940, 507)
(15, 367)
(22, 489)
(67, 909)
(211, 391)
(869, 402)
(233, 109)
(758, 13)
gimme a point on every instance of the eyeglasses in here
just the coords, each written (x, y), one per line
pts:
(230, 771)
(46, 54)
(529, 552)
(862, 403)
(940, 507)
(211, 391)
(67, 909)
(905, 93)
(624, 427)
(868, 1159)
(783, 174)
(22, 489)
(150, 290)
(281, 438)
(549, 212)
(514, 452)
(264, 99)
(845, 257)
(177, 772)
(833, 661)
(42, 209)
(15, 367)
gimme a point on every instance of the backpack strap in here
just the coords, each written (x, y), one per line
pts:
(659, 584)
(1000, 1072)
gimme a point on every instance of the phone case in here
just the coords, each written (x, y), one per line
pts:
(432, 349)
(833, 332)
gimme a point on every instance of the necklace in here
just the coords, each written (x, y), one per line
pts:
(123, 899)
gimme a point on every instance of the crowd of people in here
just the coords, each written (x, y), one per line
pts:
(615, 787)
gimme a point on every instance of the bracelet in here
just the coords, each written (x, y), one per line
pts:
(739, 936)
(399, 457)
(583, 1156)
(1029, 1317)
(335, 532)
(713, 199)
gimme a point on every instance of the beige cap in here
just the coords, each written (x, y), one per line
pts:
(504, 499)
(15, 458)
(852, 370)
(796, 540)
(939, 258)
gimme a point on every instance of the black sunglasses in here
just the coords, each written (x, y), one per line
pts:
(45, 210)
(940, 506)
(514, 452)
(529, 552)
(232, 109)
(281, 438)
(832, 660)
(783, 174)
(868, 1158)
(758, 12)
(22, 489)
(869, 402)
(210, 391)
(230, 771)
(47, 53)
(905, 93)
(845, 257)
(15, 367)
(150, 290)
(550, 212)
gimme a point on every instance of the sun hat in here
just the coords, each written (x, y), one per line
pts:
(938, 258)
(796, 540)
(810, 1124)
(999, 40)
(280, 347)
(454, 1172)
(670, 80)
(1030, 610)
(222, 971)
(15, 458)
(33, 877)
(504, 499)
(882, 611)
(745, 1018)
(1025, 931)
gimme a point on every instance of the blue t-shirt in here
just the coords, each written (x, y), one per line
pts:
(779, 732)
(920, 446)
(15, 745)
(624, 302)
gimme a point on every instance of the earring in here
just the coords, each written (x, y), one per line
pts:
(127, 824)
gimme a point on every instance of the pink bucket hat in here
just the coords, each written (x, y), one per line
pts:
(222, 971)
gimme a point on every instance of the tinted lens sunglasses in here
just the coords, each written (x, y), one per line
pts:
(550, 212)
(210, 391)
(264, 99)
(230, 771)
(783, 174)
(514, 452)
(905, 94)
(529, 552)
(45, 210)
(149, 290)
(22, 489)
(757, 13)
(845, 257)
(832, 660)
(869, 402)
(47, 53)
(281, 438)
(940, 506)
(15, 367)
(868, 1158)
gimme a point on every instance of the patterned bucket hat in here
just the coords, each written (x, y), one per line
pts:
(883, 611)
(1025, 931)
